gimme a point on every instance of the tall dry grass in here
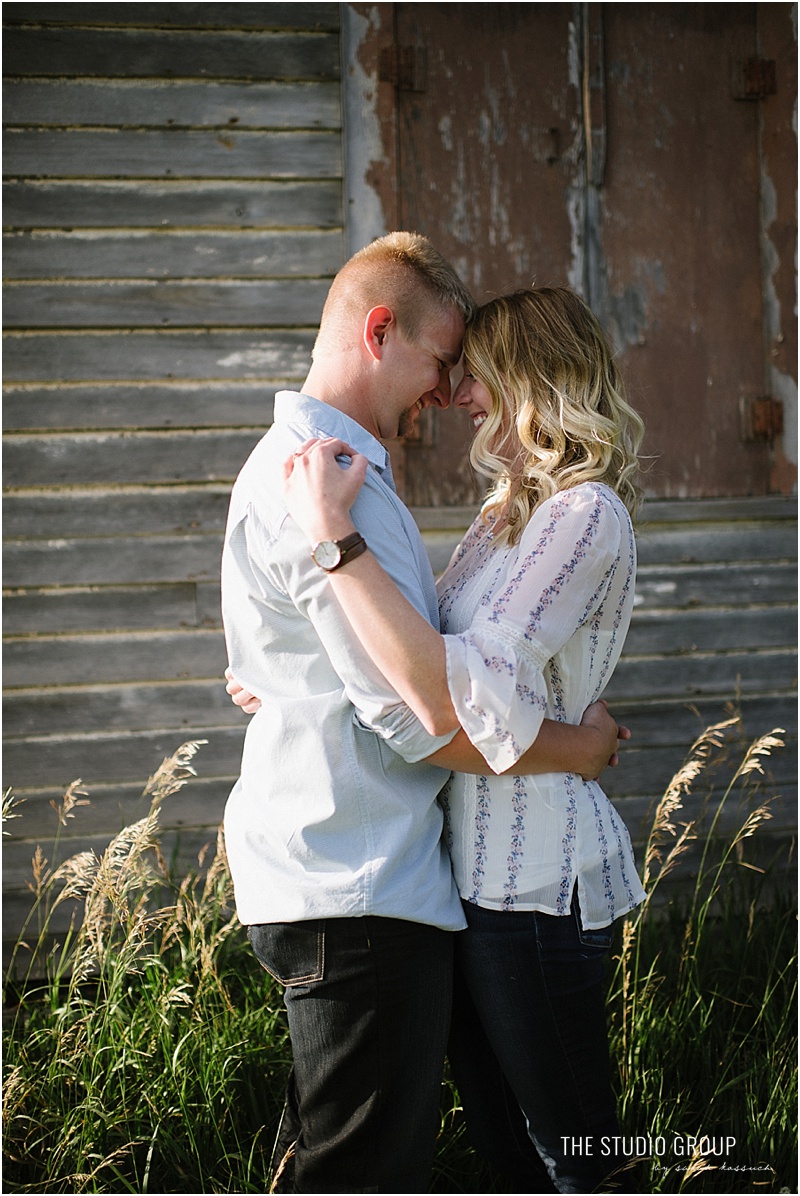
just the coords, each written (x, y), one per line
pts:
(152, 1055)
(145, 1051)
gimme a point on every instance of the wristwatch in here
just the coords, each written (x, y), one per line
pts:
(332, 554)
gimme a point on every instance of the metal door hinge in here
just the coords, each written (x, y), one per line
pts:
(753, 78)
(762, 418)
(404, 66)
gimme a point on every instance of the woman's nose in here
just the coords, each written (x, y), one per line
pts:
(461, 396)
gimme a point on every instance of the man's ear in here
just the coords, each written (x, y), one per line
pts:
(377, 325)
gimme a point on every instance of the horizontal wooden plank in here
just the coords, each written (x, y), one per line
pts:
(144, 204)
(681, 632)
(311, 14)
(703, 674)
(144, 706)
(124, 708)
(111, 561)
(170, 153)
(654, 511)
(52, 763)
(181, 847)
(114, 805)
(692, 585)
(736, 541)
(770, 839)
(106, 608)
(209, 355)
(150, 53)
(92, 659)
(177, 405)
(156, 510)
(89, 254)
(174, 509)
(659, 723)
(209, 603)
(687, 586)
(444, 518)
(141, 103)
(85, 457)
(650, 770)
(716, 510)
(194, 304)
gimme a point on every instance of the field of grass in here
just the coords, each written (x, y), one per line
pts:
(152, 1056)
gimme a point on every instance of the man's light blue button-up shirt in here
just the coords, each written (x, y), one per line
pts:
(332, 815)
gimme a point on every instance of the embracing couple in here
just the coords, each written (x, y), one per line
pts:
(418, 845)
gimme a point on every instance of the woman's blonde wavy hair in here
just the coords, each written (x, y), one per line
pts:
(550, 371)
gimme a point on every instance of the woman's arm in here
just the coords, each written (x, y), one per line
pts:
(559, 747)
(407, 650)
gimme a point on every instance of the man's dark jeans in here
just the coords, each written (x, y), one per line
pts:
(529, 1049)
(368, 1001)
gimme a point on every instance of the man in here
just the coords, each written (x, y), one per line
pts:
(333, 830)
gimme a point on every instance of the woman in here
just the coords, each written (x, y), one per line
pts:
(535, 606)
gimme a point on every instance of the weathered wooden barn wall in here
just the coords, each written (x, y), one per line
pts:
(172, 222)
(645, 154)
(173, 211)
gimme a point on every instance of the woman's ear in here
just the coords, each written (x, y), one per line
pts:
(378, 322)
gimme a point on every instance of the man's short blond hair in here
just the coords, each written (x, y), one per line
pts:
(402, 271)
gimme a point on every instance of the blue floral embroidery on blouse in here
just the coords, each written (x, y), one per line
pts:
(526, 694)
(621, 606)
(579, 553)
(568, 844)
(481, 823)
(499, 664)
(622, 835)
(602, 841)
(515, 855)
(571, 821)
(546, 537)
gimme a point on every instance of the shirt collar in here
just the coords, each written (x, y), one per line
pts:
(291, 407)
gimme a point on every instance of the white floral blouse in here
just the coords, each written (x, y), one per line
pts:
(535, 631)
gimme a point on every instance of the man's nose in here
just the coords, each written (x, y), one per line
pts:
(441, 392)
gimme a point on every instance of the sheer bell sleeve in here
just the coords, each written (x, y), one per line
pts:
(559, 578)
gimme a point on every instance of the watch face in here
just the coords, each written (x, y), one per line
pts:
(327, 554)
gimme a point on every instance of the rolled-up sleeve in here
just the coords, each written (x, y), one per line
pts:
(498, 671)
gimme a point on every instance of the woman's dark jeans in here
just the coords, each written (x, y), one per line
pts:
(529, 1049)
(368, 1001)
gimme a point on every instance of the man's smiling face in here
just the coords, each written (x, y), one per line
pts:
(420, 372)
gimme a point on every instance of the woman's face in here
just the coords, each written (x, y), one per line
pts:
(473, 397)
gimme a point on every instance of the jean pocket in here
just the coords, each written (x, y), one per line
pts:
(599, 940)
(292, 952)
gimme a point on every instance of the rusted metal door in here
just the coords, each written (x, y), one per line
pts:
(616, 148)
(487, 126)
